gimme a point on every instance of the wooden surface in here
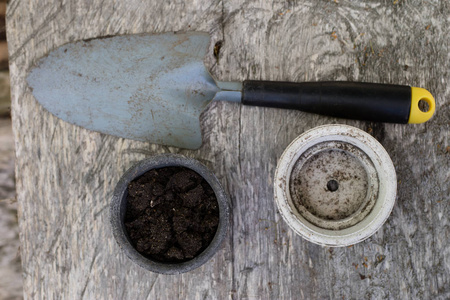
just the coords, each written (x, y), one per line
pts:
(66, 174)
(10, 269)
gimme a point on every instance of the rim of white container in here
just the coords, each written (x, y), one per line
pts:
(386, 193)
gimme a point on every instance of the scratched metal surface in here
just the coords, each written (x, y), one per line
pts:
(66, 174)
(143, 87)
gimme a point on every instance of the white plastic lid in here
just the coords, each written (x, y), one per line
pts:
(335, 185)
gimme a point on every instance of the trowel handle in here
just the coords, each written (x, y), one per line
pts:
(350, 100)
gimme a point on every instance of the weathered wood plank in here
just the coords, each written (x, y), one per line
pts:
(65, 174)
(10, 270)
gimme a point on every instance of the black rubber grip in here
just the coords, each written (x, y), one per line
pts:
(350, 100)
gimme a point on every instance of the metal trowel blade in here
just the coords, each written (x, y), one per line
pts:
(142, 87)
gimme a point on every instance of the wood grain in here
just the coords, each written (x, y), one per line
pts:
(66, 174)
(10, 269)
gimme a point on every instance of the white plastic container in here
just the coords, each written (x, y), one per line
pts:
(335, 185)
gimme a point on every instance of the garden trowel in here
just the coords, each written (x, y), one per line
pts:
(153, 87)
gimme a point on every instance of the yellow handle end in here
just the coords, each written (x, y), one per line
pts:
(417, 114)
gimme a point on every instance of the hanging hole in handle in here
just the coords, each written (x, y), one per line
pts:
(424, 105)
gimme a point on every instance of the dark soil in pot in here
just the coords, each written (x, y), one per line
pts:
(172, 214)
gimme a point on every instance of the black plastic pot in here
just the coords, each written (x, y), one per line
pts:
(119, 204)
